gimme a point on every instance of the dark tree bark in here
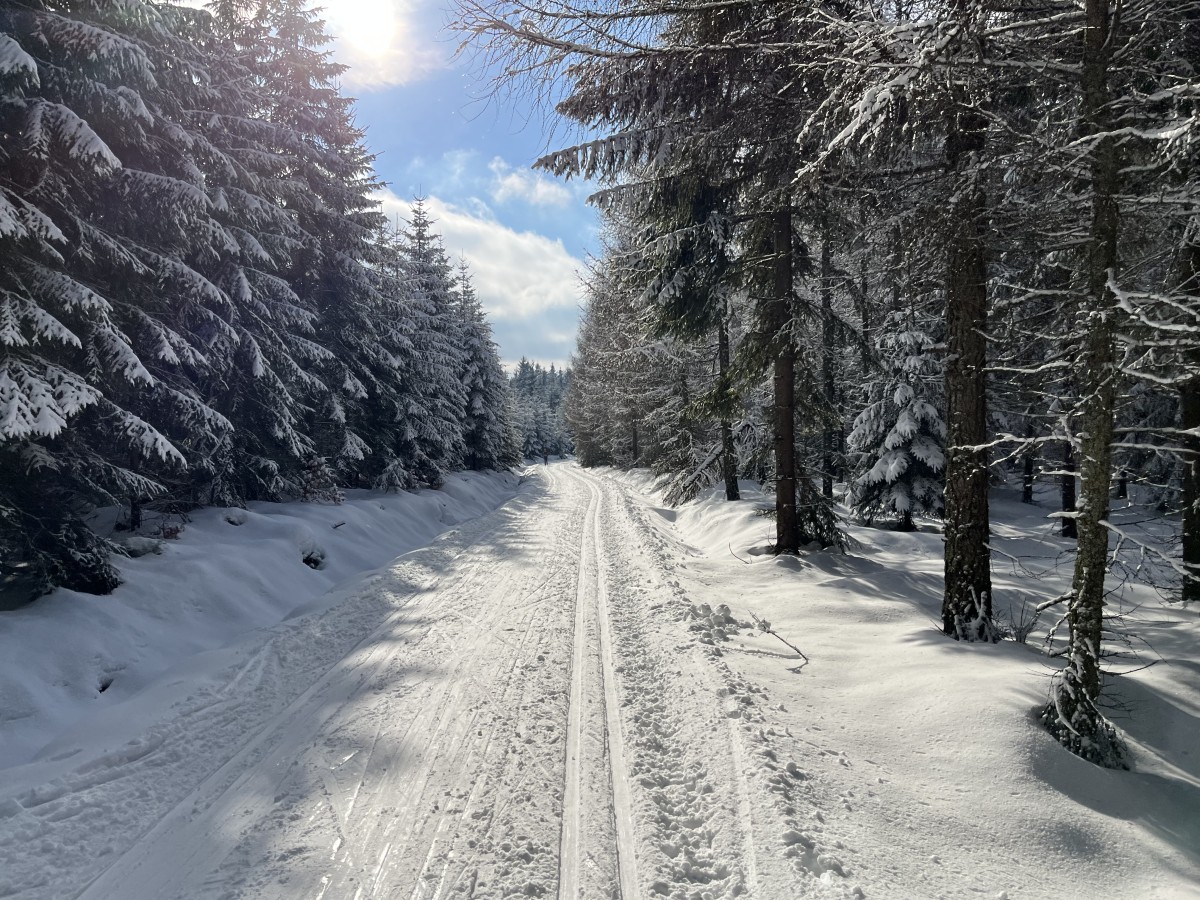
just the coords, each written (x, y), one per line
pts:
(1072, 716)
(864, 312)
(841, 453)
(1069, 528)
(1027, 470)
(828, 435)
(1189, 420)
(897, 259)
(728, 452)
(1189, 391)
(787, 532)
(967, 602)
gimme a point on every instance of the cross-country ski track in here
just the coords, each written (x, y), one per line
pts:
(517, 710)
(567, 697)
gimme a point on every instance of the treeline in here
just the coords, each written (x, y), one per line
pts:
(200, 302)
(961, 234)
(538, 395)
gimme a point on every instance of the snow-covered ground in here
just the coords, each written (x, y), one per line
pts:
(921, 760)
(548, 700)
(69, 659)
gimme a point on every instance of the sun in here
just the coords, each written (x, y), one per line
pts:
(366, 27)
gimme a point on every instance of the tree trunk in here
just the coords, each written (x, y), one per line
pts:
(841, 453)
(864, 354)
(1069, 528)
(1072, 716)
(1189, 420)
(787, 532)
(828, 446)
(967, 602)
(728, 452)
(1027, 470)
(897, 259)
(1189, 391)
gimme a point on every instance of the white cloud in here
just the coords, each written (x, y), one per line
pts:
(517, 274)
(522, 184)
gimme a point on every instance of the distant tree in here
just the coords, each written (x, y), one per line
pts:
(538, 394)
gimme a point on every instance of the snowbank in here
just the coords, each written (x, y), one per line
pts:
(69, 656)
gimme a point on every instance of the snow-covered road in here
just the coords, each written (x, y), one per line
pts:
(519, 709)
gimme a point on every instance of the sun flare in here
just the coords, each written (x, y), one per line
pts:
(367, 27)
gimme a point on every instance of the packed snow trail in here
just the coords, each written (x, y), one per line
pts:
(519, 709)
(566, 698)
(597, 815)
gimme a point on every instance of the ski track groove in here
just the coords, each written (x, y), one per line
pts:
(591, 862)
(274, 731)
(572, 817)
(614, 733)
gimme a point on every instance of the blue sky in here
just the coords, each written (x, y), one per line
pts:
(525, 235)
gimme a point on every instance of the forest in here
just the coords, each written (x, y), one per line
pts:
(538, 394)
(914, 249)
(200, 300)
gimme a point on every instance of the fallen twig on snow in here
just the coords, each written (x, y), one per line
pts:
(738, 558)
(765, 627)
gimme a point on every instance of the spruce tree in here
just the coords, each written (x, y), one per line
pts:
(484, 426)
(102, 209)
(900, 436)
(434, 395)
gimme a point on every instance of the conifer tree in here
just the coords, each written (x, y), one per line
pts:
(434, 395)
(101, 207)
(195, 306)
(900, 436)
(326, 341)
(484, 426)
